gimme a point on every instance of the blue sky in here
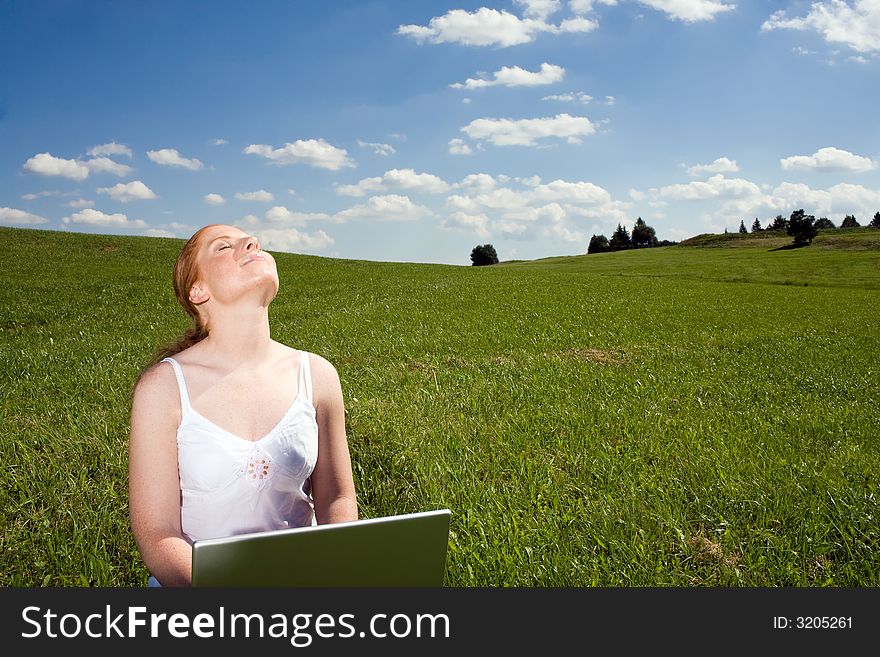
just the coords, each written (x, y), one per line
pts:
(412, 131)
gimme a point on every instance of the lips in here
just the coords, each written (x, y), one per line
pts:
(251, 259)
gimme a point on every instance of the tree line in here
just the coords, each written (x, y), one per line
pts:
(801, 226)
(642, 236)
(804, 227)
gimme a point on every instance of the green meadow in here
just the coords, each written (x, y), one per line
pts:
(705, 414)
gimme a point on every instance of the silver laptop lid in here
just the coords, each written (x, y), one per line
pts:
(402, 550)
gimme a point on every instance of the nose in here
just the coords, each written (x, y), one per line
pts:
(252, 244)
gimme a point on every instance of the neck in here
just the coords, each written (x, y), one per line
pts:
(239, 338)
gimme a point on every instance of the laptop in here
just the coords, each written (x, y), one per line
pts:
(392, 551)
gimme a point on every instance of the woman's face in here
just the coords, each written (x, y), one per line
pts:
(231, 263)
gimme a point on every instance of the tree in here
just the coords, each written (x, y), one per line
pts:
(756, 226)
(824, 222)
(779, 223)
(875, 222)
(801, 227)
(849, 221)
(643, 235)
(484, 254)
(620, 239)
(598, 244)
(742, 226)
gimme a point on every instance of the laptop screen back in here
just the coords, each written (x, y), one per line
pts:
(394, 551)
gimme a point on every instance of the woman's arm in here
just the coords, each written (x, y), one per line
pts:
(153, 481)
(332, 480)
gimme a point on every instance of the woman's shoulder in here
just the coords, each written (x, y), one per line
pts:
(320, 367)
(317, 363)
(156, 385)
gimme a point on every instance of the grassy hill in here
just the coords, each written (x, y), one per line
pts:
(744, 258)
(671, 416)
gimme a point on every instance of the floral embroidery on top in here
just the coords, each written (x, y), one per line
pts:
(258, 468)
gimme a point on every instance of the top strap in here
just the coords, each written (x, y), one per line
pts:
(305, 375)
(181, 383)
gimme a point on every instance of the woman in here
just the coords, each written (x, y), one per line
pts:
(208, 454)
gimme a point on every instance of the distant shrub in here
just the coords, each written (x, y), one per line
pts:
(824, 222)
(643, 236)
(850, 221)
(484, 254)
(620, 239)
(802, 227)
(875, 222)
(598, 244)
(779, 223)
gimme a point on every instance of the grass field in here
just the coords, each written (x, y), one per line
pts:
(698, 415)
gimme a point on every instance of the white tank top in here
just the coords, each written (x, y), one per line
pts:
(230, 485)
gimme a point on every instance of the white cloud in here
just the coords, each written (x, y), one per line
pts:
(11, 216)
(487, 27)
(313, 152)
(571, 97)
(459, 147)
(510, 229)
(720, 165)
(586, 6)
(552, 209)
(110, 149)
(514, 76)
(472, 223)
(790, 196)
(539, 9)
(714, 187)
(636, 195)
(396, 179)
(47, 164)
(857, 59)
(610, 100)
(218, 142)
(579, 24)
(259, 195)
(827, 160)
(530, 181)
(98, 218)
(279, 214)
(158, 232)
(277, 237)
(477, 183)
(291, 240)
(169, 157)
(571, 192)
(689, 11)
(527, 132)
(378, 149)
(390, 207)
(106, 165)
(80, 203)
(857, 26)
(36, 195)
(847, 198)
(125, 192)
(214, 199)
(560, 230)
